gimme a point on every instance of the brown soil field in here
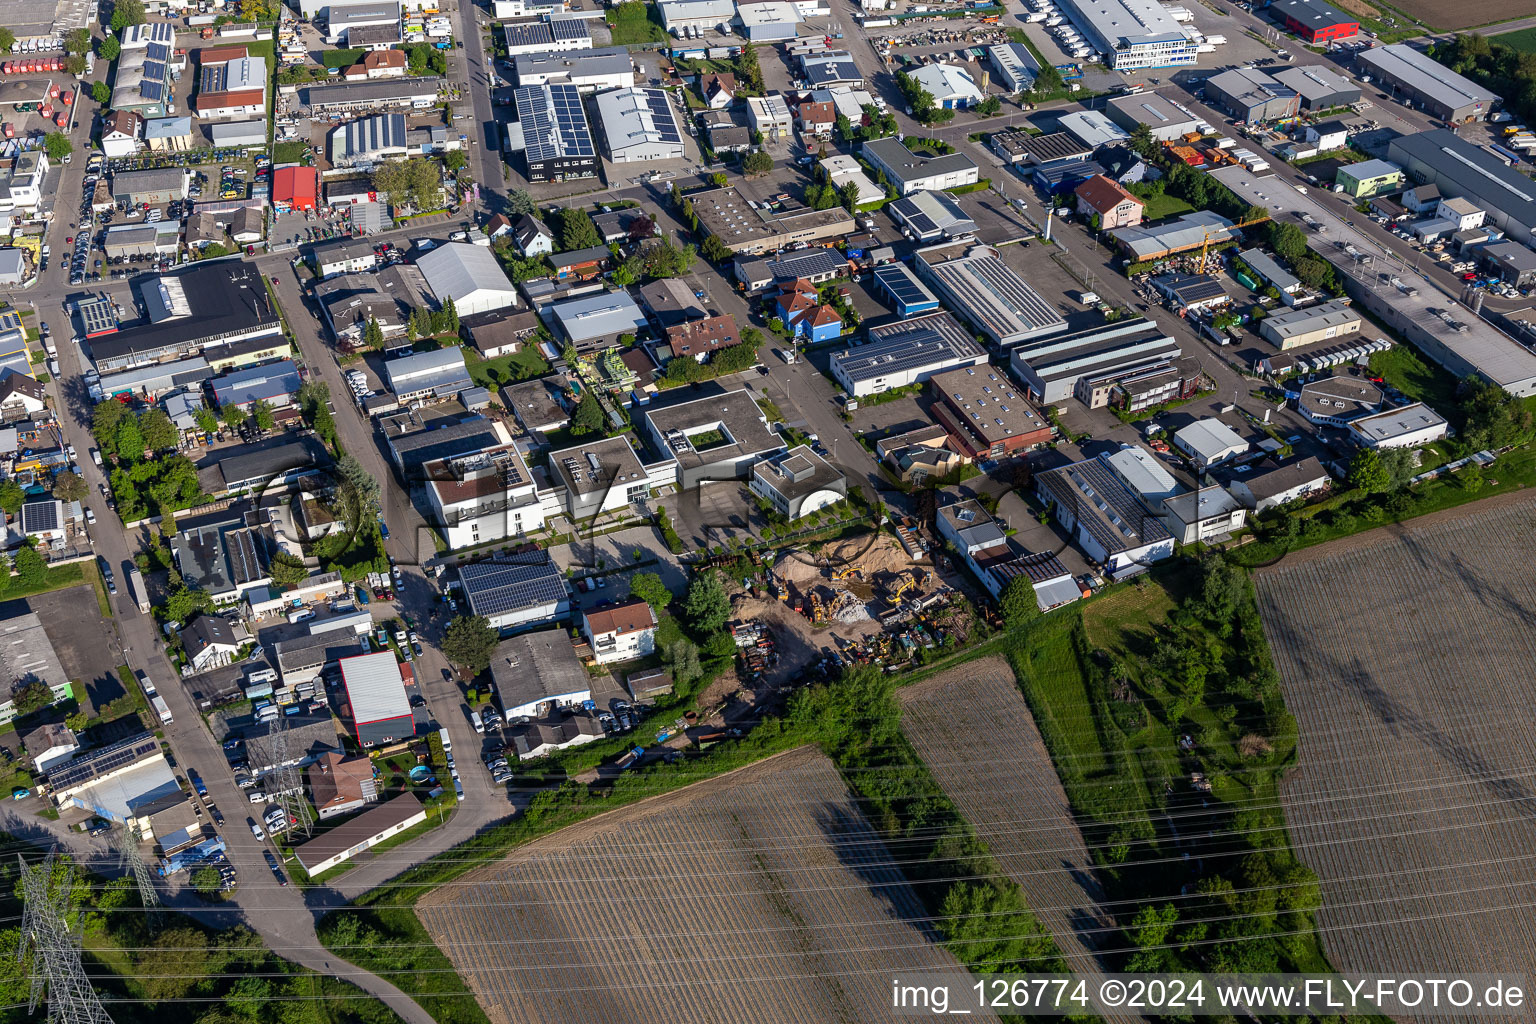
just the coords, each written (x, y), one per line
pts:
(762, 895)
(1451, 14)
(1406, 656)
(974, 731)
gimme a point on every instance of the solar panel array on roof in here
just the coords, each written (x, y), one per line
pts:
(150, 90)
(918, 218)
(493, 588)
(158, 51)
(568, 28)
(101, 762)
(910, 293)
(554, 122)
(661, 111)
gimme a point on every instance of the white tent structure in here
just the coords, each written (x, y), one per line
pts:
(470, 274)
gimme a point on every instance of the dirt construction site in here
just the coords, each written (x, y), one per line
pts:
(861, 600)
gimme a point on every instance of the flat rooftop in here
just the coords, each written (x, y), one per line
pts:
(1384, 426)
(988, 403)
(688, 427)
(989, 293)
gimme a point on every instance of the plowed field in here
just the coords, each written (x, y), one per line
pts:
(973, 729)
(759, 896)
(1407, 658)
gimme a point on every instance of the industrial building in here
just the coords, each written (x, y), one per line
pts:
(1105, 517)
(123, 782)
(768, 21)
(1165, 238)
(381, 710)
(932, 217)
(715, 437)
(1251, 96)
(598, 320)
(556, 141)
(1208, 514)
(1336, 400)
(27, 656)
(538, 672)
(1052, 367)
(1411, 76)
(1094, 128)
(350, 838)
(516, 590)
(155, 185)
(985, 415)
(435, 374)
(979, 287)
(1131, 34)
(1167, 120)
(906, 352)
(372, 94)
(1314, 21)
(909, 295)
(470, 275)
(1293, 328)
(275, 383)
(610, 67)
(605, 475)
(1015, 65)
(912, 172)
(1458, 168)
(554, 35)
(1368, 178)
(639, 126)
(1409, 426)
(1270, 485)
(758, 226)
(187, 309)
(1318, 87)
(1209, 442)
(798, 482)
(683, 18)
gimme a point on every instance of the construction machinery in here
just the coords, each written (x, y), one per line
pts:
(817, 610)
(1205, 244)
(848, 570)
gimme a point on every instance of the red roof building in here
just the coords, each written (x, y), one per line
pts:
(295, 188)
(699, 338)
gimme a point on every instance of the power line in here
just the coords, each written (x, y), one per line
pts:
(56, 963)
(131, 858)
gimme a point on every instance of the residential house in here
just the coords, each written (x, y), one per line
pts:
(802, 312)
(582, 264)
(341, 784)
(1270, 485)
(213, 640)
(21, 397)
(1108, 200)
(718, 90)
(699, 339)
(532, 238)
(817, 119)
(1200, 516)
(120, 133)
(620, 632)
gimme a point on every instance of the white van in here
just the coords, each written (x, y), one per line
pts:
(474, 719)
(304, 615)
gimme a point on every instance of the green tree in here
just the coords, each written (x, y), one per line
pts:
(1018, 603)
(756, 163)
(68, 486)
(207, 420)
(7, 39)
(101, 92)
(33, 696)
(719, 179)
(261, 411)
(588, 417)
(12, 497)
(212, 251)
(1366, 471)
(682, 658)
(233, 416)
(577, 230)
(106, 419)
(450, 317)
(77, 41)
(127, 12)
(848, 195)
(1142, 141)
(714, 250)
(31, 570)
(261, 10)
(470, 640)
(647, 586)
(130, 440)
(362, 487)
(519, 202)
(624, 274)
(373, 334)
(74, 65)
(77, 721)
(287, 570)
(455, 161)
(207, 881)
(706, 606)
(159, 432)
(109, 48)
(1494, 417)
(173, 963)
(57, 146)
(748, 71)
(989, 107)
(183, 602)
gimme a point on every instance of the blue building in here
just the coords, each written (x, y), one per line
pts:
(909, 295)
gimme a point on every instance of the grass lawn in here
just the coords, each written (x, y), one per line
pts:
(1058, 694)
(1523, 40)
(525, 364)
(287, 152)
(341, 58)
(1165, 205)
(636, 23)
(58, 577)
(1402, 367)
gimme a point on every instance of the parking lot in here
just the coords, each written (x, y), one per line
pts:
(87, 644)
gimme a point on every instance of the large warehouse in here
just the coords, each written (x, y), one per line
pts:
(639, 126)
(1314, 21)
(557, 144)
(381, 711)
(1319, 88)
(1052, 367)
(976, 283)
(1132, 34)
(1252, 96)
(588, 70)
(515, 590)
(1460, 169)
(470, 275)
(906, 352)
(1411, 76)
(1168, 120)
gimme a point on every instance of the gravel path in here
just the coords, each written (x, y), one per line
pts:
(1407, 660)
(759, 896)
